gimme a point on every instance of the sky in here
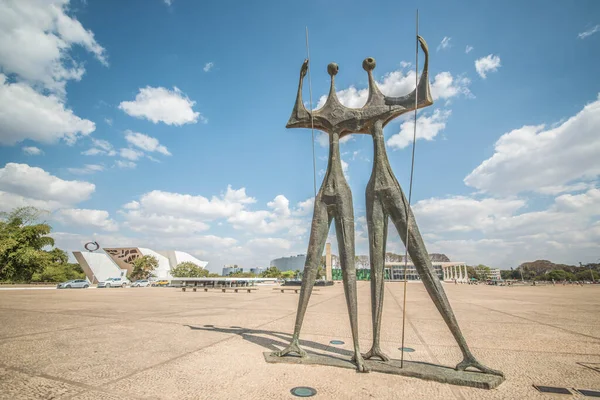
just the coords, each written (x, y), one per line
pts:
(161, 123)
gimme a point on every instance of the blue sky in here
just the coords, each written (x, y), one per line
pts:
(162, 123)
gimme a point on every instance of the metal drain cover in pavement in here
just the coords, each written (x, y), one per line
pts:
(407, 349)
(550, 389)
(303, 391)
(589, 393)
(336, 342)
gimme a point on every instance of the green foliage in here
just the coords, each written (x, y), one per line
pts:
(22, 240)
(559, 275)
(481, 271)
(188, 269)
(59, 273)
(587, 275)
(242, 275)
(271, 272)
(288, 274)
(143, 267)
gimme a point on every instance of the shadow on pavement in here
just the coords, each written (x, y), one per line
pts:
(270, 339)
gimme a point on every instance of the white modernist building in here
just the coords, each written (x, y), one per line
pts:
(293, 263)
(446, 271)
(116, 262)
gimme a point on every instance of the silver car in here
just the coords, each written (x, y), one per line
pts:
(113, 282)
(75, 283)
(141, 283)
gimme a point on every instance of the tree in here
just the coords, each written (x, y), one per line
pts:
(271, 272)
(288, 274)
(481, 272)
(362, 262)
(143, 267)
(21, 245)
(188, 269)
(559, 275)
(587, 275)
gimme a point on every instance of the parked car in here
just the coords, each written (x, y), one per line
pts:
(75, 283)
(162, 282)
(114, 282)
(141, 283)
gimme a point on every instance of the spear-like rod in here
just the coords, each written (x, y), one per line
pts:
(412, 168)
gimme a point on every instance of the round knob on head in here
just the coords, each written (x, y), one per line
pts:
(369, 64)
(332, 69)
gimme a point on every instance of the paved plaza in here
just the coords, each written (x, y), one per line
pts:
(162, 343)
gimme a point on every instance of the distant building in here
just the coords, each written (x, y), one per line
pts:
(292, 263)
(231, 269)
(117, 262)
(257, 270)
(494, 274)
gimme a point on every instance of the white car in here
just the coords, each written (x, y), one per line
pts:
(114, 282)
(141, 283)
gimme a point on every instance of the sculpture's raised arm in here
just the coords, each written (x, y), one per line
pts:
(424, 94)
(299, 113)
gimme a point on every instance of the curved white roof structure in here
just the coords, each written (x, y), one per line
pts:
(100, 266)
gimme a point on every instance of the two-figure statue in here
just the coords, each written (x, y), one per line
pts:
(384, 199)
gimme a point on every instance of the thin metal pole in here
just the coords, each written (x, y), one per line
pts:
(412, 168)
(312, 123)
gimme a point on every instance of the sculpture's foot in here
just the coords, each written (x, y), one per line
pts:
(473, 363)
(376, 352)
(357, 359)
(294, 347)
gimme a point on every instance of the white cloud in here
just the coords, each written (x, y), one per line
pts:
(159, 104)
(396, 83)
(567, 231)
(536, 159)
(168, 2)
(86, 169)
(125, 164)
(322, 139)
(145, 142)
(108, 121)
(101, 147)
(32, 151)
(489, 63)
(26, 114)
(22, 185)
(589, 32)
(130, 154)
(185, 205)
(86, 218)
(468, 49)
(139, 221)
(405, 64)
(427, 128)
(36, 38)
(444, 44)
(208, 66)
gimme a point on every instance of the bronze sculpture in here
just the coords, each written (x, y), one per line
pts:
(334, 201)
(385, 199)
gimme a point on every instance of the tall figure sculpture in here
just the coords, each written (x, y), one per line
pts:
(385, 198)
(334, 201)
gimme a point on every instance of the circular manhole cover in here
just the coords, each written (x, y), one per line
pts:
(407, 349)
(336, 342)
(303, 391)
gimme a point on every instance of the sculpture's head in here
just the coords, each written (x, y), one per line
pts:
(369, 64)
(334, 116)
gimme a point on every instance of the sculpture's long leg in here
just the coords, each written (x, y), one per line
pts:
(318, 236)
(377, 221)
(344, 229)
(396, 204)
